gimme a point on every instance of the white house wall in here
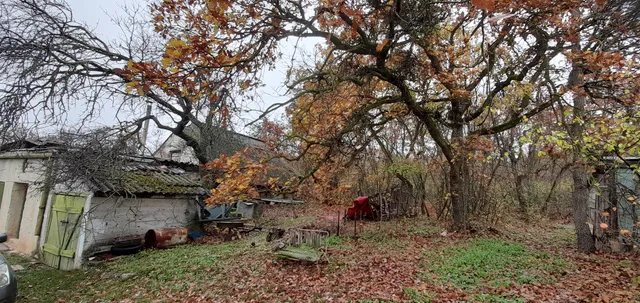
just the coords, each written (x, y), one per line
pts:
(114, 217)
(13, 172)
(176, 149)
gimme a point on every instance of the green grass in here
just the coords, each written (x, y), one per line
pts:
(182, 262)
(179, 268)
(335, 241)
(413, 295)
(489, 298)
(425, 230)
(479, 267)
(491, 263)
(418, 297)
(38, 283)
(565, 235)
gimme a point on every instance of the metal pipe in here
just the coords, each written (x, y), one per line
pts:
(165, 238)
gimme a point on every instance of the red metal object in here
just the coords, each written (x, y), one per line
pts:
(361, 208)
(164, 238)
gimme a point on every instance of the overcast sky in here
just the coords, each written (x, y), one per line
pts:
(97, 15)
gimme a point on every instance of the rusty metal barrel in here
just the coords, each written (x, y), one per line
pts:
(164, 238)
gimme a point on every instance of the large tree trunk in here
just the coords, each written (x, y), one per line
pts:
(458, 171)
(458, 177)
(580, 195)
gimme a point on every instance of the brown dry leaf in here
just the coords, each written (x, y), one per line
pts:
(382, 44)
(484, 4)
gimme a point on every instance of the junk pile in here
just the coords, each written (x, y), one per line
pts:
(362, 209)
(129, 245)
(227, 222)
(298, 244)
(220, 223)
(399, 202)
(248, 210)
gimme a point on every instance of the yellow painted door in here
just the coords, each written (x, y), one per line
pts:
(63, 230)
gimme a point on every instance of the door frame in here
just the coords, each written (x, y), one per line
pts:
(77, 261)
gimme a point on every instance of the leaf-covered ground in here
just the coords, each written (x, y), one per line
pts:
(398, 261)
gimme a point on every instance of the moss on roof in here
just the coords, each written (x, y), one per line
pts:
(152, 182)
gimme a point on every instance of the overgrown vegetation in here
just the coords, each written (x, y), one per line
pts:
(186, 262)
(472, 113)
(40, 284)
(134, 277)
(492, 263)
(426, 103)
(387, 262)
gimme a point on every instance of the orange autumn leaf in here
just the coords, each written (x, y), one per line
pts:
(605, 214)
(236, 175)
(604, 225)
(625, 232)
(382, 44)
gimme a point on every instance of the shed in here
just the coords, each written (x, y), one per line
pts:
(63, 226)
(614, 201)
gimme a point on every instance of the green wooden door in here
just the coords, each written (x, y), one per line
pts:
(63, 230)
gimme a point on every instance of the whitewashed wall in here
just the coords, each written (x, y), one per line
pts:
(113, 217)
(26, 171)
(176, 149)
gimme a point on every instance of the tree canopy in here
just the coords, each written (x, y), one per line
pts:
(458, 72)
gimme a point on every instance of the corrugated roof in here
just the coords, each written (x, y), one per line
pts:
(29, 144)
(150, 176)
(149, 182)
